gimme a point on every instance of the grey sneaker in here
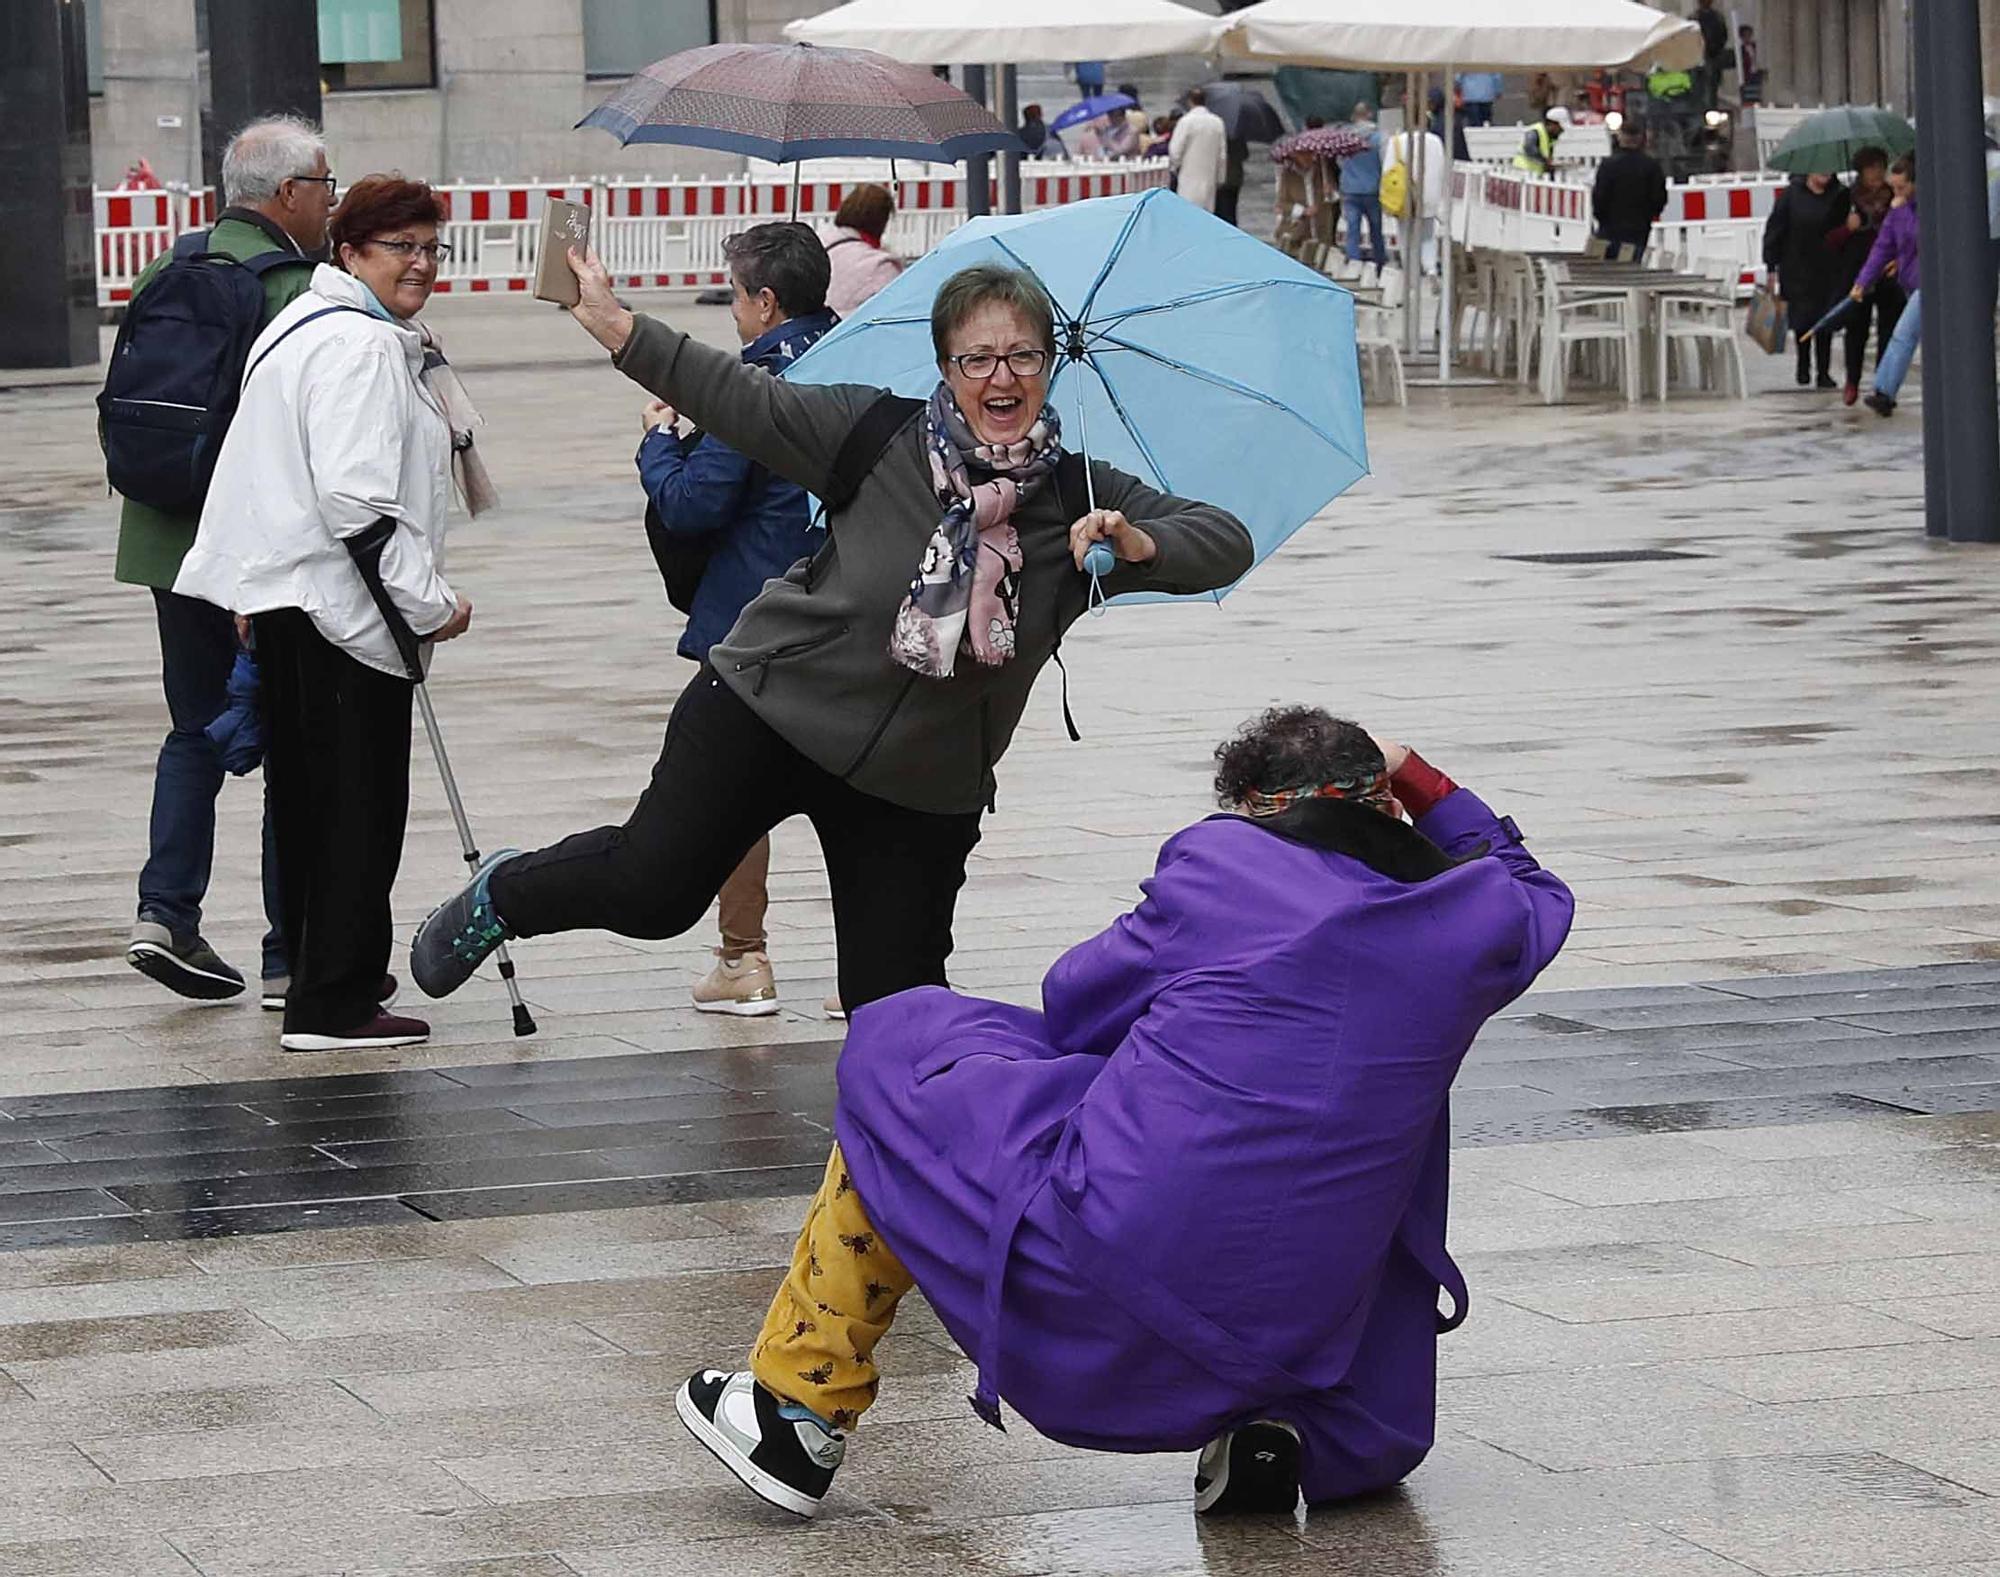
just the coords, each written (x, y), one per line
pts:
(789, 1462)
(185, 964)
(1252, 1469)
(459, 934)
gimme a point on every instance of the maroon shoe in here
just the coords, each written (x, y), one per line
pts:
(384, 1029)
(1850, 394)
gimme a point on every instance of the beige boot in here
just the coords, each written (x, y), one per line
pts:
(744, 986)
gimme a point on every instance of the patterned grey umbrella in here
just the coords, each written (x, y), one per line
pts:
(786, 102)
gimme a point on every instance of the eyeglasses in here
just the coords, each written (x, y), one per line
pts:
(983, 364)
(436, 251)
(332, 186)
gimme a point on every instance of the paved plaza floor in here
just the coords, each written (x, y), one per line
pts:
(1726, 1190)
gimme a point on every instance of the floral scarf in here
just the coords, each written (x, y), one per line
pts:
(967, 590)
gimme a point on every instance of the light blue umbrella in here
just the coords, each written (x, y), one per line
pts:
(1190, 354)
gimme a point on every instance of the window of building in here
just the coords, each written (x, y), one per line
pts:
(376, 44)
(624, 36)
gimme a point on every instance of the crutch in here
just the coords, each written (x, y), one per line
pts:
(366, 549)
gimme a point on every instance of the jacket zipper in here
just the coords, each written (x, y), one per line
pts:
(780, 653)
(881, 726)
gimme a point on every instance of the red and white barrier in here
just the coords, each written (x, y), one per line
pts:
(1708, 221)
(652, 235)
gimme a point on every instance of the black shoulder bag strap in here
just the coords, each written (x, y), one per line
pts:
(302, 322)
(862, 447)
(1070, 481)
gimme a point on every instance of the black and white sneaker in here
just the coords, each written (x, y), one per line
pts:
(1252, 1469)
(185, 964)
(788, 1462)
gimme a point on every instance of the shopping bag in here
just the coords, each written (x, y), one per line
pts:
(1766, 320)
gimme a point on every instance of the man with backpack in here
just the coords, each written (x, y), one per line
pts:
(166, 404)
(720, 526)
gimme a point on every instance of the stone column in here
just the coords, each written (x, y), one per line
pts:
(1835, 83)
(260, 57)
(48, 310)
(1807, 33)
(1777, 31)
(1864, 52)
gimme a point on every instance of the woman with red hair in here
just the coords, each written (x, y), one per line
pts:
(337, 471)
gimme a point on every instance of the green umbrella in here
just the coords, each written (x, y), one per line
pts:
(1825, 143)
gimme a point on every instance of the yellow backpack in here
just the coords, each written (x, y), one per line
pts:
(1395, 190)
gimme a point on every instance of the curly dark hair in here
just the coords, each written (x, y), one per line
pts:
(1293, 747)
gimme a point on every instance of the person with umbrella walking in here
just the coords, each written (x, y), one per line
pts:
(1801, 240)
(874, 687)
(1199, 152)
(1199, 1198)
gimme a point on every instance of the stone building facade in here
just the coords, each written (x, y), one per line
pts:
(484, 89)
(1851, 51)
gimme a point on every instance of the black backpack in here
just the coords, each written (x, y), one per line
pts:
(176, 371)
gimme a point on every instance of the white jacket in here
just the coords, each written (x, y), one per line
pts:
(1199, 153)
(335, 430)
(1402, 149)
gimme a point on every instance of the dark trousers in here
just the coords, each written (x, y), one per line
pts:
(1800, 315)
(337, 757)
(197, 650)
(1882, 306)
(724, 779)
(1475, 114)
(1624, 250)
(1225, 202)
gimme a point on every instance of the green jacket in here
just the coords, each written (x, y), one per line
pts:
(152, 543)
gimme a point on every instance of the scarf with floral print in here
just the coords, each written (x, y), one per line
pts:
(967, 590)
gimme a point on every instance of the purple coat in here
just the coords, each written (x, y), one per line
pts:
(1206, 1183)
(1897, 241)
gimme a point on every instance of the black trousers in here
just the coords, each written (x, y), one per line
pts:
(337, 758)
(1815, 354)
(1882, 306)
(724, 779)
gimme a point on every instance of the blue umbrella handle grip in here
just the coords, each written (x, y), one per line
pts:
(1100, 560)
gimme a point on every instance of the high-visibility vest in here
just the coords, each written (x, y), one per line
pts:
(1538, 163)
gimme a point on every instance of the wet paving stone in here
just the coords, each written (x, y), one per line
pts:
(632, 1129)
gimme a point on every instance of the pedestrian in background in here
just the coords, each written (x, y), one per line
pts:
(1869, 198)
(859, 264)
(1895, 254)
(748, 525)
(1037, 138)
(1361, 190)
(1478, 91)
(1714, 50)
(1628, 197)
(276, 193)
(1199, 152)
(1801, 254)
(338, 470)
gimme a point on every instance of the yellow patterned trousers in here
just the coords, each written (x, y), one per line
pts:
(817, 1347)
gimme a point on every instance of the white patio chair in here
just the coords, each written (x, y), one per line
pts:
(1597, 321)
(1378, 339)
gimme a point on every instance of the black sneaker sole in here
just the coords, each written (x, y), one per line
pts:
(1260, 1476)
(177, 975)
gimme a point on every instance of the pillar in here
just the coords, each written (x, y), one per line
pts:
(978, 168)
(1835, 83)
(1807, 35)
(1864, 52)
(259, 57)
(1777, 32)
(48, 309)
(1961, 413)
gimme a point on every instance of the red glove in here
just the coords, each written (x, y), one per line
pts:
(1420, 786)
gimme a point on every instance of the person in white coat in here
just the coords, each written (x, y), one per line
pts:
(1409, 149)
(338, 465)
(1199, 152)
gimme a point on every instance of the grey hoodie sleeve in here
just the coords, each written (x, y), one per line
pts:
(1202, 548)
(793, 429)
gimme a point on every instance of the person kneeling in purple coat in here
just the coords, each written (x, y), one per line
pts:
(1198, 1200)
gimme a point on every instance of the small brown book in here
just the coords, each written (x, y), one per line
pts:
(564, 225)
